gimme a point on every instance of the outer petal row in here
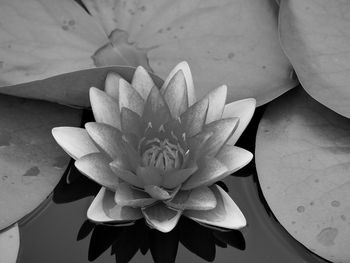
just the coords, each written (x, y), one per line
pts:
(76, 142)
(226, 213)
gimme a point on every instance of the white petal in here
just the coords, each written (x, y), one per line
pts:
(175, 178)
(226, 214)
(244, 110)
(149, 175)
(130, 98)
(105, 108)
(129, 196)
(217, 100)
(175, 95)
(104, 209)
(194, 118)
(96, 167)
(112, 85)
(234, 158)
(107, 137)
(75, 141)
(222, 130)
(189, 81)
(210, 171)
(142, 82)
(125, 175)
(157, 192)
(161, 217)
(201, 198)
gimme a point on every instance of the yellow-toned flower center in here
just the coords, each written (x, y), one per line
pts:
(162, 154)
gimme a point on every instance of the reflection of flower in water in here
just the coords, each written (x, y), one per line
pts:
(157, 153)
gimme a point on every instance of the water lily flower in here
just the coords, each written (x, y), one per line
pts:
(157, 152)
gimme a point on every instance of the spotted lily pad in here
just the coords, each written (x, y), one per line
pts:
(9, 245)
(42, 38)
(236, 41)
(225, 42)
(316, 37)
(302, 158)
(31, 162)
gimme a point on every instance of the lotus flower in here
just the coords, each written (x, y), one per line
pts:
(157, 152)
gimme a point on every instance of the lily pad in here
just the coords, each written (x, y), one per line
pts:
(302, 159)
(225, 42)
(316, 37)
(31, 161)
(72, 88)
(42, 38)
(9, 245)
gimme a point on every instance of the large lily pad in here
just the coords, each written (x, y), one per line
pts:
(225, 42)
(31, 162)
(302, 158)
(42, 38)
(316, 37)
(9, 245)
(233, 42)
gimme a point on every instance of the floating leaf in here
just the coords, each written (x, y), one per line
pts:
(302, 158)
(42, 38)
(31, 161)
(9, 245)
(71, 88)
(225, 42)
(316, 37)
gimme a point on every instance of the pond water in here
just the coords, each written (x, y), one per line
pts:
(58, 232)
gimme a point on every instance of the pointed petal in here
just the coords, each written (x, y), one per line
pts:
(156, 111)
(234, 158)
(129, 196)
(96, 167)
(210, 171)
(201, 198)
(75, 141)
(157, 192)
(196, 145)
(130, 98)
(175, 178)
(184, 67)
(107, 137)
(226, 214)
(244, 110)
(125, 175)
(160, 217)
(222, 130)
(142, 82)
(104, 209)
(217, 100)
(149, 175)
(112, 85)
(105, 108)
(194, 118)
(175, 94)
(131, 122)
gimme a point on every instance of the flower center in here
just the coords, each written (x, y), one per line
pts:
(162, 154)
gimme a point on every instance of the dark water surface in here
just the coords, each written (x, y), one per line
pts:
(59, 232)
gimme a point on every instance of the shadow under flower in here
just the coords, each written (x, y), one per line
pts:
(126, 241)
